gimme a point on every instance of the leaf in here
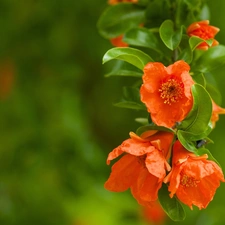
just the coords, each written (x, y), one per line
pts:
(125, 73)
(214, 93)
(142, 37)
(171, 206)
(148, 127)
(194, 42)
(130, 105)
(200, 79)
(198, 118)
(213, 58)
(122, 68)
(131, 55)
(183, 137)
(170, 37)
(119, 18)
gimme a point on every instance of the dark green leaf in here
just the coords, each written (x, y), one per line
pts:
(142, 37)
(169, 36)
(213, 58)
(130, 55)
(148, 127)
(184, 137)
(171, 206)
(198, 118)
(119, 18)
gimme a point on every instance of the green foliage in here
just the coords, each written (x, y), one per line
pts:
(130, 55)
(172, 206)
(127, 16)
(169, 36)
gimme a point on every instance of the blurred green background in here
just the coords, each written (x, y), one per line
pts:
(58, 123)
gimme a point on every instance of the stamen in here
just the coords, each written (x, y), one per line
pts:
(188, 181)
(171, 90)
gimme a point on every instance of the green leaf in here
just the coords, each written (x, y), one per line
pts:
(122, 68)
(200, 79)
(194, 42)
(184, 137)
(171, 206)
(170, 37)
(214, 57)
(198, 118)
(130, 105)
(130, 55)
(142, 37)
(148, 127)
(119, 18)
(214, 92)
(124, 73)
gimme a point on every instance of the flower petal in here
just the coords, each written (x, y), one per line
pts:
(124, 174)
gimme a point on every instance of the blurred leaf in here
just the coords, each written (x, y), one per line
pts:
(213, 58)
(200, 79)
(171, 206)
(198, 118)
(169, 36)
(214, 93)
(130, 105)
(119, 18)
(184, 137)
(130, 55)
(125, 73)
(142, 37)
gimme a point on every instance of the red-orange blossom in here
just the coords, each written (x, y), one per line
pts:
(143, 166)
(194, 179)
(166, 92)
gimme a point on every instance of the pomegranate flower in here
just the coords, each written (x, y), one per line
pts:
(193, 179)
(166, 92)
(203, 30)
(142, 168)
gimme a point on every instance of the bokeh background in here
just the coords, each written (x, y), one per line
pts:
(58, 122)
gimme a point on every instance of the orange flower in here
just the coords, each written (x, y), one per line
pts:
(215, 113)
(193, 179)
(118, 42)
(203, 30)
(166, 92)
(112, 2)
(142, 168)
(154, 214)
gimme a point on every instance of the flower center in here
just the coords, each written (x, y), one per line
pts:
(171, 90)
(188, 181)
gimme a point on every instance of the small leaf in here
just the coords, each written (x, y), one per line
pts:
(171, 206)
(124, 73)
(142, 37)
(183, 137)
(213, 58)
(194, 42)
(198, 118)
(119, 18)
(130, 55)
(148, 127)
(130, 105)
(170, 37)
